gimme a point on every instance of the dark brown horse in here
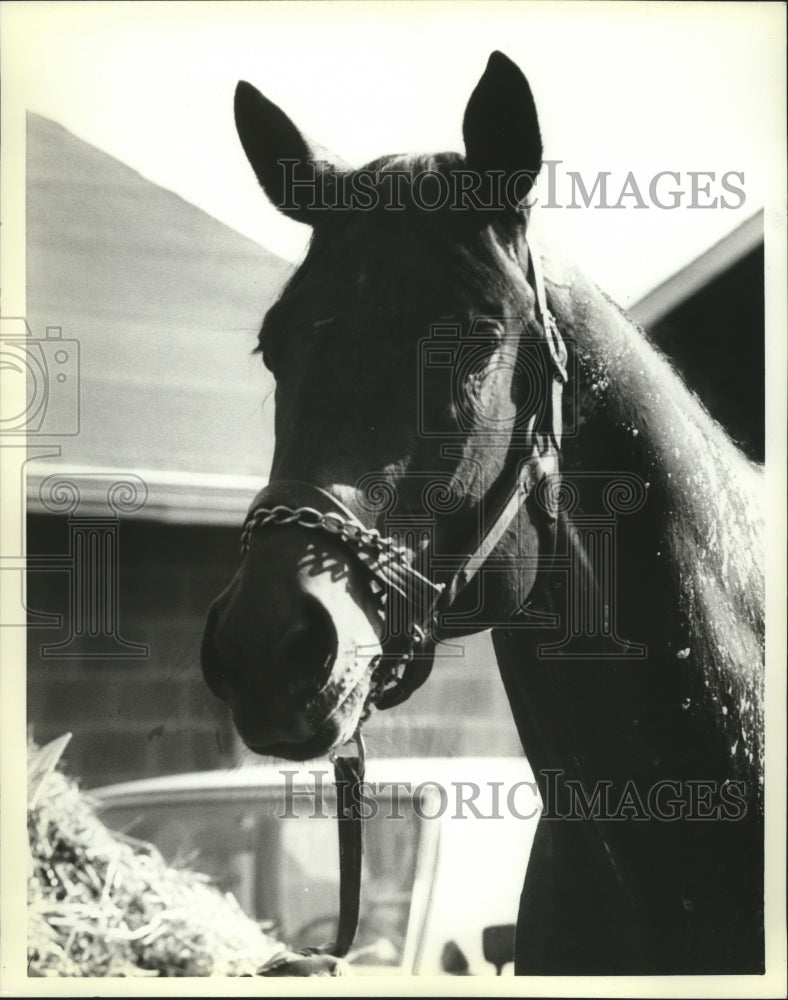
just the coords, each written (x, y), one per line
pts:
(442, 467)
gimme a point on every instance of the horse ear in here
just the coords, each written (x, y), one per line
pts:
(290, 170)
(501, 127)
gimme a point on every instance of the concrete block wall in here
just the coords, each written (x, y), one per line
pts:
(135, 717)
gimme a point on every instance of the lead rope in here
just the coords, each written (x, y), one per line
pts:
(323, 961)
(348, 776)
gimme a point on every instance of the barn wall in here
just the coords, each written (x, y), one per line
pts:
(716, 339)
(148, 714)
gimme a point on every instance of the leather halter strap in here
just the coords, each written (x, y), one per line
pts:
(288, 502)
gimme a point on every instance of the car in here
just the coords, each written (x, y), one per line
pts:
(446, 845)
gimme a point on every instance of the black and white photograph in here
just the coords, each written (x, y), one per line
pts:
(393, 443)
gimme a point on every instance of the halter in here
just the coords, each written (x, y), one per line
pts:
(406, 660)
(403, 666)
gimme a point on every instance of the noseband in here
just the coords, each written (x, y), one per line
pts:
(406, 660)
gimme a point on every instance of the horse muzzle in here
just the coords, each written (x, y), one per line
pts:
(291, 647)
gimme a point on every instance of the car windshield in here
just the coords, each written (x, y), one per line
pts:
(280, 860)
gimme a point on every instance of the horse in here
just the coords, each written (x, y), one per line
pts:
(550, 477)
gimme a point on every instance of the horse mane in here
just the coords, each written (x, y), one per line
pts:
(709, 495)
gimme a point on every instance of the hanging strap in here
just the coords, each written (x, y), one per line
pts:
(326, 960)
(348, 775)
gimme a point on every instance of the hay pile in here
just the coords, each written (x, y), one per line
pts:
(101, 904)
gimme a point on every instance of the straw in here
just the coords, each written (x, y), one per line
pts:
(104, 904)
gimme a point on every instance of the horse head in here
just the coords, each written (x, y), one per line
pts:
(408, 353)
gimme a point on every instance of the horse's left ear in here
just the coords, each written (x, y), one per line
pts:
(501, 127)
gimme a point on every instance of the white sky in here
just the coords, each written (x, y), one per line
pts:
(641, 87)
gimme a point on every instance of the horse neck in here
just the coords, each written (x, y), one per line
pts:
(706, 494)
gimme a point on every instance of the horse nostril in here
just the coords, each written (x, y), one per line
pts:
(306, 653)
(243, 669)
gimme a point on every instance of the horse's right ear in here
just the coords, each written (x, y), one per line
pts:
(501, 127)
(288, 168)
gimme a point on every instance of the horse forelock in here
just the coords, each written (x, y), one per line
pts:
(483, 252)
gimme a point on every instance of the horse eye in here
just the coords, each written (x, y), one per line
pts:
(488, 327)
